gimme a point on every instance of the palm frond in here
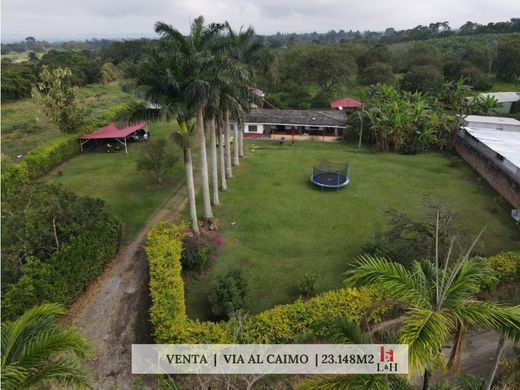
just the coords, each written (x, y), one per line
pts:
(397, 282)
(487, 315)
(426, 332)
(343, 331)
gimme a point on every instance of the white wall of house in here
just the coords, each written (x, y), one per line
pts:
(255, 128)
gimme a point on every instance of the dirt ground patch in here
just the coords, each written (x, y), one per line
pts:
(112, 313)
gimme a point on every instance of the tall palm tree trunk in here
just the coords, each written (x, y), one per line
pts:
(188, 166)
(229, 171)
(222, 155)
(236, 159)
(426, 379)
(241, 139)
(498, 355)
(204, 178)
(214, 163)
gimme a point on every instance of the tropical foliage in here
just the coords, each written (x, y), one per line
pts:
(37, 352)
(407, 122)
(440, 304)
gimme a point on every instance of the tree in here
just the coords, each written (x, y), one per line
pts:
(423, 78)
(378, 72)
(156, 158)
(228, 294)
(440, 303)
(325, 66)
(56, 97)
(37, 352)
(205, 69)
(507, 65)
(160, 83)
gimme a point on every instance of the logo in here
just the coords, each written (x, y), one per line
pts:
(386, 356)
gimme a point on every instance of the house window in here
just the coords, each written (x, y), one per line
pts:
(252, 128)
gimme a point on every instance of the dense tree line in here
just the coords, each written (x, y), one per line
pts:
(391, 35)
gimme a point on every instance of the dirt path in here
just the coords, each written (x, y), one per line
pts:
(106, 313)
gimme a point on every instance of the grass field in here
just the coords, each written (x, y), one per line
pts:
(21, 132)
(276, 226)
(132, 195)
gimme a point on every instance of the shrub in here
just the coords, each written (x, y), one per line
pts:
(506, 266)
(406, 239)
(228, 294)
(199, 250)
(13, 177)
(306, 285)
(43, 159)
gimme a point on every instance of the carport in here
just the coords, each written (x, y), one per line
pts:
(111, 131)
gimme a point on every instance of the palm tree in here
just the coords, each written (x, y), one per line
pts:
(183, 137)
(214, 161)
(37, 352)
(195, 53)
(440, 304)
(227, 146)
(340, 330)
(160, 83)
(222, 154)
(249, 49)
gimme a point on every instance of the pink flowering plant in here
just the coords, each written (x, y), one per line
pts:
(199, 251)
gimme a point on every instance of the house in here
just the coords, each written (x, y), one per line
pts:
(492, 147)
(504, 100)
(326, 125)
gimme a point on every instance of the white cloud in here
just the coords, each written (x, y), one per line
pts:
(109, 18)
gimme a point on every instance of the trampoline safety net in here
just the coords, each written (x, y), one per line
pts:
(328, 174)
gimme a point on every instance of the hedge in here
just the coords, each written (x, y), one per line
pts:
(281, 324)
(505, 266)
(67, 273)
(43, 159)
(39, 162)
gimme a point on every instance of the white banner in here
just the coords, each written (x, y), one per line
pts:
(269, 359)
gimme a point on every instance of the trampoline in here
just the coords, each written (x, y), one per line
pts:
(328, 174)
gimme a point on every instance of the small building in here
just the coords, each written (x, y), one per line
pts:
(491, 122)
(495, 154)
(326, 125)
(346, 102)
(504, 100)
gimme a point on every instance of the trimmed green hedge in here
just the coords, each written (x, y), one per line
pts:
(39, 162)
(281, 324)
(42, 160)
(69, 270)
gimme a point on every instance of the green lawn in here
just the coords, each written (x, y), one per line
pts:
(21, 132)
(132, 195)
(276, 226)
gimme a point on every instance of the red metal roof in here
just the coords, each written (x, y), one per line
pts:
(112, 131)
(345, 103)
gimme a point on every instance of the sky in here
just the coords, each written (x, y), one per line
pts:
(82, 19)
